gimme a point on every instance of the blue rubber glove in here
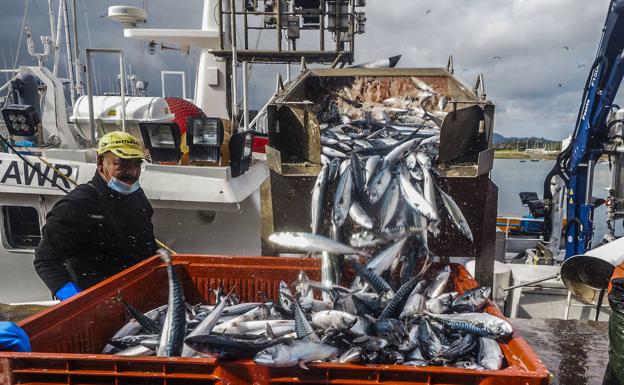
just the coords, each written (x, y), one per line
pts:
(13, 337)
(67, 291)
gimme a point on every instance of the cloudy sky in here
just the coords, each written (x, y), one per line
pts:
(534, 54)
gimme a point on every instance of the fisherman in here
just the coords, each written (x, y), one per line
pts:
(13, 338)
(614, 375)
(101, 227)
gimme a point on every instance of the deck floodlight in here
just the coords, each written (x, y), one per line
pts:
(241, 146)
(163, 141)
(204, 137)
(21, 120)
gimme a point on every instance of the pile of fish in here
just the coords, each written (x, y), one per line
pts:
(420, 324)
(374, 205)
(375, 100)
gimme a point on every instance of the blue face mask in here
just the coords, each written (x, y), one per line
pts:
(122, 187)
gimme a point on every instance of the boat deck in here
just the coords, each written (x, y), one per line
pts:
(575, 352)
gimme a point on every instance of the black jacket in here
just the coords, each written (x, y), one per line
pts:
(92, 234)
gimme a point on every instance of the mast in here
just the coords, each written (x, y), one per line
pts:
(76, 50)
(68, 48)
(57, 41)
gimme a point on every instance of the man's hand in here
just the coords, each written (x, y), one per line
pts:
(13, 338)
(67, 291)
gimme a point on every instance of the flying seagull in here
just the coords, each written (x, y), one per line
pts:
(428, 12)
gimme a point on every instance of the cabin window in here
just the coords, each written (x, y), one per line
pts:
(21, 227)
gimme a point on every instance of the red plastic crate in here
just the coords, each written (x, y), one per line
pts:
(67, 337)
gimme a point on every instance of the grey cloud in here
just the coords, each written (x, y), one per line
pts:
(527, 35)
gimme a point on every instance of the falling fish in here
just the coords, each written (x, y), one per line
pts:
(311, 243)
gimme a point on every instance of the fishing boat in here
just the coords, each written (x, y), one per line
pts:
(207, 167)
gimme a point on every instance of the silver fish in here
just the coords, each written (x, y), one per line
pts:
(262, 312)
(302, 326)
(318, 199)
(421, 85)
(440, 304)
(437, 286)
(333, 153)
(362, 327)
(351, 356)
(174, 329)
(371, 165)
(490, 355)
(206, 325)
(481, 324)
(442, 103)
(286, 298)
(311, 243)
(279, 327)
(297, 353)
(342, 199)
(415, 198)
(334, 166)
(345, 147)
(382, 261)
(411, 161)
(429, 194)
(312, 305)
(472, 301)
(400, 150)
(456, 215)
(328, 273)
(359, 216)
(378, 184)
(390, 204)
(325, 159)
(327, 141)
(362, 143)
(136, 351)
(429, 342)
(414, 306)
(133, 327)
(468, 365)
(338, 320)
(423, 160)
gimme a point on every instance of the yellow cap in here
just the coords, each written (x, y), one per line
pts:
(121, 144)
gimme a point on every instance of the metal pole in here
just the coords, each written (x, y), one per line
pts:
(234, 61)
(122, 86)
(76, 50)
(70, 61)
(279, 25)
(288, 65)
(57, 42)
(599, 304)
(245, 24)
(51, 14)
(220, 17)
(245, 96)
(322, 26)
(90, 97)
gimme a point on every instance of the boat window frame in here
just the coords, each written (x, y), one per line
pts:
(8, 241)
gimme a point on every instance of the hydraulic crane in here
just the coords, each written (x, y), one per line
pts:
(598, 131)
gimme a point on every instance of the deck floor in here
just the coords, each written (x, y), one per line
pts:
(575, 352)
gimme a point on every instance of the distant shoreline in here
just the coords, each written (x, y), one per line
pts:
(503, 154)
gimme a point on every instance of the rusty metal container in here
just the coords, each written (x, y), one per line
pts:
(67, 338)
(465, 160)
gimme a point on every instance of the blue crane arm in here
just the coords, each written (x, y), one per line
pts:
(576, 163)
